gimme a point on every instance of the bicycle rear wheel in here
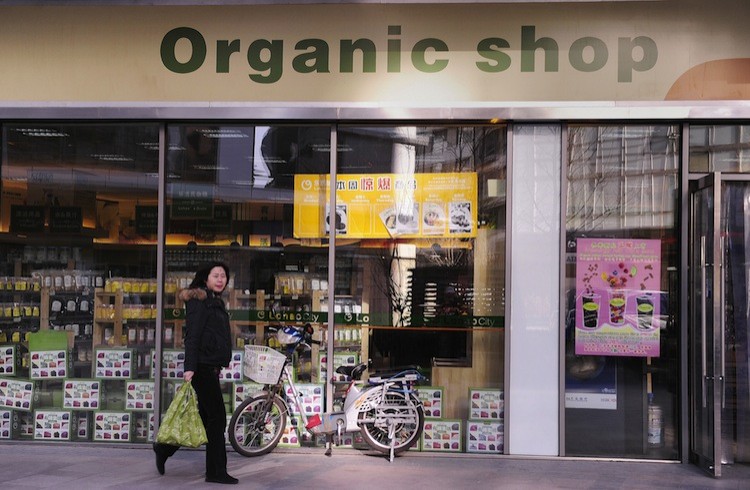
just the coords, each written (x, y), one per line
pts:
(257, 425)
(405, 413)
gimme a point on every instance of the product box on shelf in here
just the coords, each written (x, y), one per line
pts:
(17, 394)
(6, 424)
(172, 363)
(48, 354)
(139, 395)
(291, 437)
(244, 390)
(82, 394)
(10, 361)
(484, 436)
(339, 359)
(170, 387)
(52, 425)
(83, 429)
(110, 426)
(432, 401)
(113, 363)
(311, 400)
(233, 372)
(23, 425)
(442, 435)
(143, 425)
(48, 364)
(486, 404)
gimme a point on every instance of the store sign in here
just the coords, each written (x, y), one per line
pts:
(378, 52)
(265, 57)
(65, 219)
(146, 220)
(618, 297)
(191, 201)
(26, 219)
(220, 223)
(438, 205)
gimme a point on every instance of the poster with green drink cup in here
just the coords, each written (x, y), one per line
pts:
(617, 297)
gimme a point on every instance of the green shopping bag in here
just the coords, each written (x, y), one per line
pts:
(182, 425)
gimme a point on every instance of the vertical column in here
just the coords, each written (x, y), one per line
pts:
(533, 401)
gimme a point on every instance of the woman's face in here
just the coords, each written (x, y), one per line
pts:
(217, 279)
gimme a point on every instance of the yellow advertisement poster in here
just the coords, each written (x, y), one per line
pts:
(387, 205)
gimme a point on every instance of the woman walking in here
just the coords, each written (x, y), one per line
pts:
(208, 348)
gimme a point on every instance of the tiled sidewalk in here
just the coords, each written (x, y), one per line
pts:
(27, 466)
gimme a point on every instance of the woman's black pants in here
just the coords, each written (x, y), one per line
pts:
(211, 407)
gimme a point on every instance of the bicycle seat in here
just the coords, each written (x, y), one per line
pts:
(384, 374)
(353, 372)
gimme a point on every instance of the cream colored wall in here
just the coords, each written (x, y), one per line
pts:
(113, 53)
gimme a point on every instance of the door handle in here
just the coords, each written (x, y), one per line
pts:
(703, 320)
(722, 338)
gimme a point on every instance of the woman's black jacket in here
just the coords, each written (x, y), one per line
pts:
(208, 338)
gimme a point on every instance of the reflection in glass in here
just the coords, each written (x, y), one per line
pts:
(423, 255)
(621, 192)
(724, 148)
(77, 289)
(231, 198)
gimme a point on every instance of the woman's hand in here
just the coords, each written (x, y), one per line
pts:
(188, 376)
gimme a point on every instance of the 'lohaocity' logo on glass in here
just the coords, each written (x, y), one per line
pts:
(265, 57)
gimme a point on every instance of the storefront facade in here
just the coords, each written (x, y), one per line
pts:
(544, 211)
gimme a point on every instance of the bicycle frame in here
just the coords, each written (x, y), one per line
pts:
(379, 410)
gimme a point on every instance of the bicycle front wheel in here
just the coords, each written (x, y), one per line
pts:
(402, 412)
(257, 425)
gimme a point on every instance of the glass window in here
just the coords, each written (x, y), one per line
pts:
(719, 148)
(420, 261)
(77, 285)
(232, 197)
(621, 335)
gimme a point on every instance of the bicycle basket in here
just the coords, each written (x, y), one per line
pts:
(263, 364)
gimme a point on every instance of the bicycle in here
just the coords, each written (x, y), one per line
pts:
(386, 410)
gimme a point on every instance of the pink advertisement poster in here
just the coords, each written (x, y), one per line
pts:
(618, 297)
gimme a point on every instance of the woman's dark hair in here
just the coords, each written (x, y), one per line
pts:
(201, 276)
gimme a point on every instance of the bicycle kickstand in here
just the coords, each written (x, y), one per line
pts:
(392, 438)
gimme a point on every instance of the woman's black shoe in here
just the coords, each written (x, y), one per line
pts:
(226, 479)
(160, 459)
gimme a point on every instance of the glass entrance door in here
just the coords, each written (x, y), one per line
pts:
(719, 319)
